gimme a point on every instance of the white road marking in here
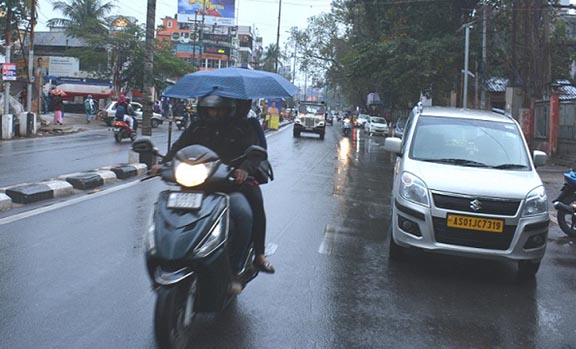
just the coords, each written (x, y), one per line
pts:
(328, 242)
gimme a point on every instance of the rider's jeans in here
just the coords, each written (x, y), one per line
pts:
(241, 229)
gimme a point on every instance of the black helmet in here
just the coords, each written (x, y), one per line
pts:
(216, 109)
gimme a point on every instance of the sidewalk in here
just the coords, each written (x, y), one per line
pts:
(72, 123)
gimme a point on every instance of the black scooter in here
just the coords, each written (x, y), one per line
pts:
(187, 250)
(565, 203)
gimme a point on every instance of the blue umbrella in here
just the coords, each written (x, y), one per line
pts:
(232, 83)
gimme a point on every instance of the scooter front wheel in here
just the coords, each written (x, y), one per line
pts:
(174, 313)
(567, 220)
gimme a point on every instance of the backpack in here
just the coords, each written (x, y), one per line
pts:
(120, 111)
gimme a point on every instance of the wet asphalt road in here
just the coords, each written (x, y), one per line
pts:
(38, 159)
(74, 276)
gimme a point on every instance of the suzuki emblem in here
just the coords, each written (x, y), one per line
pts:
(476, 205)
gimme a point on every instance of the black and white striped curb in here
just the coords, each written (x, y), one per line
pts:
(67, 184)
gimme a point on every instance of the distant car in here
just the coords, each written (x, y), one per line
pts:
(109, 113)
(361, 120)
(376, 126)
(399, 128)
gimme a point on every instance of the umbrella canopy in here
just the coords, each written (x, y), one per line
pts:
(232, 83)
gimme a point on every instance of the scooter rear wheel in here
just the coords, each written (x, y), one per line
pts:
(566, 220)
(118, 137)
(174, 313)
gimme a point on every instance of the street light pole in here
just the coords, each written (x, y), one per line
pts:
(278, 37)
(148, 70)
(194, 40)
(31, 57)
(202, 35)
(465, 93)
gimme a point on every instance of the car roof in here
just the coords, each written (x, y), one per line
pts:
(466, 114)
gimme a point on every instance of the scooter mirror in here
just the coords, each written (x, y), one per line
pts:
(256, 153)
(143, 146)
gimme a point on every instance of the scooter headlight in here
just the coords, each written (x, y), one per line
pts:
(536, 202)
(189, 175)
(214, 239)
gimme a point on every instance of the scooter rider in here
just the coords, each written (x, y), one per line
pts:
(125, 112)
(222, 128)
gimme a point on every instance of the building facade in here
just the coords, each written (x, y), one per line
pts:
(206, 46)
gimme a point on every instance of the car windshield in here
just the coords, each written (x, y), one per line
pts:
(377, 120)
(312, 108)
(468, 142)
(363, 116)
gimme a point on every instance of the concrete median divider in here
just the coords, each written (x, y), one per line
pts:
(67, 184)
(5, 202)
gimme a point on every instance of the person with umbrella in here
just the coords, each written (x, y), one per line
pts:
(223, 126)
(57, 104)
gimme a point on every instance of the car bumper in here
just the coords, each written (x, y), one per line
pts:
(425, 228)
(315, 129)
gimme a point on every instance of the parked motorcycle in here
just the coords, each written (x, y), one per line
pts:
(187, 251)
(122, 130)
(566, 204)
(346, 127)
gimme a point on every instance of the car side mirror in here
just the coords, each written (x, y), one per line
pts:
(539, 158)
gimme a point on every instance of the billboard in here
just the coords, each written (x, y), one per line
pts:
(64, 66)
(220, 12)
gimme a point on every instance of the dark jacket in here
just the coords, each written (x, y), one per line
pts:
(229, 141)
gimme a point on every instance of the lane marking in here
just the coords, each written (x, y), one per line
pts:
(70, 202)
(329, 240)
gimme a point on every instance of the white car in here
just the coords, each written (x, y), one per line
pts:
(465, 184)
(361, 120)
(376, 126)
(108, 114)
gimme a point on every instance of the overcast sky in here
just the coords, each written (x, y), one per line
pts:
(262, 14)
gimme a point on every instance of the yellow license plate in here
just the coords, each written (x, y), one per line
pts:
(475, 223)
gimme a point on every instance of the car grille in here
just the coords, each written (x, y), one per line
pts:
(472, 238)
(308, 122)
(501, 207)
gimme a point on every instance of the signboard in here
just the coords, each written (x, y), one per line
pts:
(217, 50)
(64, 66)
(220, 12)
(8, 71)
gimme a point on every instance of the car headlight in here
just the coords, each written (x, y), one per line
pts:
(414, 189)
(216, 237)
(298, 121)
(536, 202)
(191, 175)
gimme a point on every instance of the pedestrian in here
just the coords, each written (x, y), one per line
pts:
(57, 100)
(89, 108)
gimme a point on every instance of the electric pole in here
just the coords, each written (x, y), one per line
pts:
(278, 37)
(149, 70)
(31, 57)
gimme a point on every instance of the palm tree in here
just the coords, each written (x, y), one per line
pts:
(83, 18)
(271, 56)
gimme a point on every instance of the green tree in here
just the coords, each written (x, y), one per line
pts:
(82, 18)
(272, 54)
